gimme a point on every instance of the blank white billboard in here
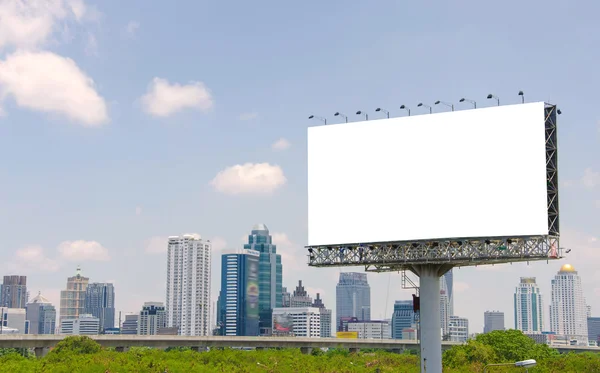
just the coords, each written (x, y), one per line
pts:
(470, 173)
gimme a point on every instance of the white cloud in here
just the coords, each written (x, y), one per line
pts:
(132, 28)
(281, 144)
(249, 178)
(30, 23)
(33, 258)
(282, 240)
(156, 244)
(461, 287)
(591, 178)
(248, 116)
(67, 90)
(83, 251)
(218, 244)
(164, 99)
(91, 46)
(138, 210)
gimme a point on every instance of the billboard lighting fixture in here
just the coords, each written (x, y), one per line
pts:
(361, 113)
(490, 96)
(430, 108)
(337, 113)
(471, 101)
(444, 103)
(558, 112)
(405, 108)
(324, 120)
(385, 111)
(522, 97)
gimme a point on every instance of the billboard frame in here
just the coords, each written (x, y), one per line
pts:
(460, 251)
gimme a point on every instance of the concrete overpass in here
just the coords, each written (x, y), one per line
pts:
(42, 343)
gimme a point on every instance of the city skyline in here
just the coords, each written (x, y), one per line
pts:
(100, 186)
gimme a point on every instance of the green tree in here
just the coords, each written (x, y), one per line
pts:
(77, 345)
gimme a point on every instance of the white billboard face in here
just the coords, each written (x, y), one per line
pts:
(471, 173)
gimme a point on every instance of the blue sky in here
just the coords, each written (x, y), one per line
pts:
(92, 177)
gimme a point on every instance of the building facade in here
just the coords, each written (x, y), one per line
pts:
(300, 297)
(458, 329)
(444, 311)
(100, 302)
(84, 324)
(153, 316)
(447, 284)
(568, 311)
(493, 320)
(270, 275)
(402, 318)
(188, 285)
(286, 298)
(353, 297)
(238, 313)
(13, 321)
(373, 329)
(13, 292)
(41, 315)
(130, 325)
(297, 321)
(528, 307)
(72, 299)
(593, 324)
(326, 316)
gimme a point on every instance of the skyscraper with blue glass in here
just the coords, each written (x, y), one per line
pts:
(270, 275)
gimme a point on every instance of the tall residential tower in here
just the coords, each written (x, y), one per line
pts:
(528, 306)
(188, 285)
(270, 275)
(568, 312)
(72, 300)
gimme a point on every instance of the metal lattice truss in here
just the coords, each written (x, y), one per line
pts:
(404, 255)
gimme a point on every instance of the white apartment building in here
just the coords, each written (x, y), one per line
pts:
(188, 285)
(458, 329)
(152, 317)
(528, 306)
(13, 318)
(373, 329)
(297, 321)
(568, 311)
(84, 324)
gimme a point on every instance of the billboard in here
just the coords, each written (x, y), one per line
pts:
(353, 335)
(283, 324)
(470, 173)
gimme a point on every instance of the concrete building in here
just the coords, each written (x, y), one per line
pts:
(447, 284)
(84, 324)
(402, 318)
(270, 274)
(130, 324)
(297, 321)
(153, 316)
(444, 311)
(373, 329)
(100, 302)
(286, 300)
(493, 320)
(593, 324)
(72, 299)
(326, 317)
(188, 285)
(458, 329)
(13, 292)
(13, 318)
(238, 313)
(300, 297)
(528, 306)
(353, 297)
(41, 315)
(568, 311)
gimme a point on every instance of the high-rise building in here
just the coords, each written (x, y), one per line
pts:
(297, 321)
(593, 324)
(153, 316)
(100, 302)
(286, 298)
(402, 318)
(568, 312)
(528, 306)
(13, 320)
(493, 320)
(84, 324)
(188, 285)
(130, 324)
(447, 283)
(72, 300)
(270, 275)
(300, 297)
(13, 292)
(458, 329)
(41, 315)
(444, 311)
(325, 317)
(238, 299)
(353, 297)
